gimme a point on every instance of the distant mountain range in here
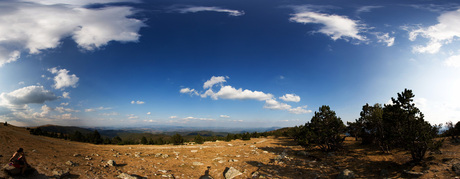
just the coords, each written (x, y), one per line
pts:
(153, 132)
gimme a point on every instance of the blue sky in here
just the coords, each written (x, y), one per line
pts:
(223, 63)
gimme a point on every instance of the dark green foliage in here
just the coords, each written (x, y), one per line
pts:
(77, 136)
(246, 136)
(199, 139)
(404, 126)
(325, 129)
(117, 140)
(177, 139)
(144, 140)
(229, 137)
(453, 131)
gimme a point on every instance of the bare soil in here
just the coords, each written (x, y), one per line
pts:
(262, 157)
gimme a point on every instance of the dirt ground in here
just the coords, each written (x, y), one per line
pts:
(257, 158)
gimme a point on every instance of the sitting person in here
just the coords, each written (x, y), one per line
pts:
(18, 160)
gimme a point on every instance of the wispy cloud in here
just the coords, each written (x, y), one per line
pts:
(34, 26)
(97, 109)
(335, 26)
(367, 9)
(137, 102)
(194, 9)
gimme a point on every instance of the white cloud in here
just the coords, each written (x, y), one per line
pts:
(229, 92)
(27, 95)
(66, 95)
(34, 26)
(97, 109)
(67, 116)
(453, 61)
(335, 26)
(189, 91)
(385, 38)
(172, 117)
(275, 105)
(446, 31)
(62, 109)
(64, 104)
(148, 113)
(194, 9)
(224, 116)
(137, 102)
(299, 110)
(214, 80)
(63, 79)
(290, 98)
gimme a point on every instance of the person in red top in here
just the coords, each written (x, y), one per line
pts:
(18, 160)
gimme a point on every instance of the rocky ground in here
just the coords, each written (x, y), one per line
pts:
(256, 158)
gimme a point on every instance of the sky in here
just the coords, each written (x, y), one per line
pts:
(209, 63)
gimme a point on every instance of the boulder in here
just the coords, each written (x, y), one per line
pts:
(231, 172)
(10, 170)
(70, 163)
(346, 174)
(111, 163)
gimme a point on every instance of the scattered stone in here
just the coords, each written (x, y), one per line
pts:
(232, 160)
(252, 146)
(158, 155)
(231, 172)
(416, 174)
(167, 176)
(137, 155)
(194, 151)
(265, 152)
(230, 145)
(61, 173)
(255, 174)
(165, 156)
(70, 163)
(197, 163)
(346, 174)
(278, 158)
(456, 168)
(88, 158)
(126, 176)
(111, 150)
(111, 163)
(76, 155)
